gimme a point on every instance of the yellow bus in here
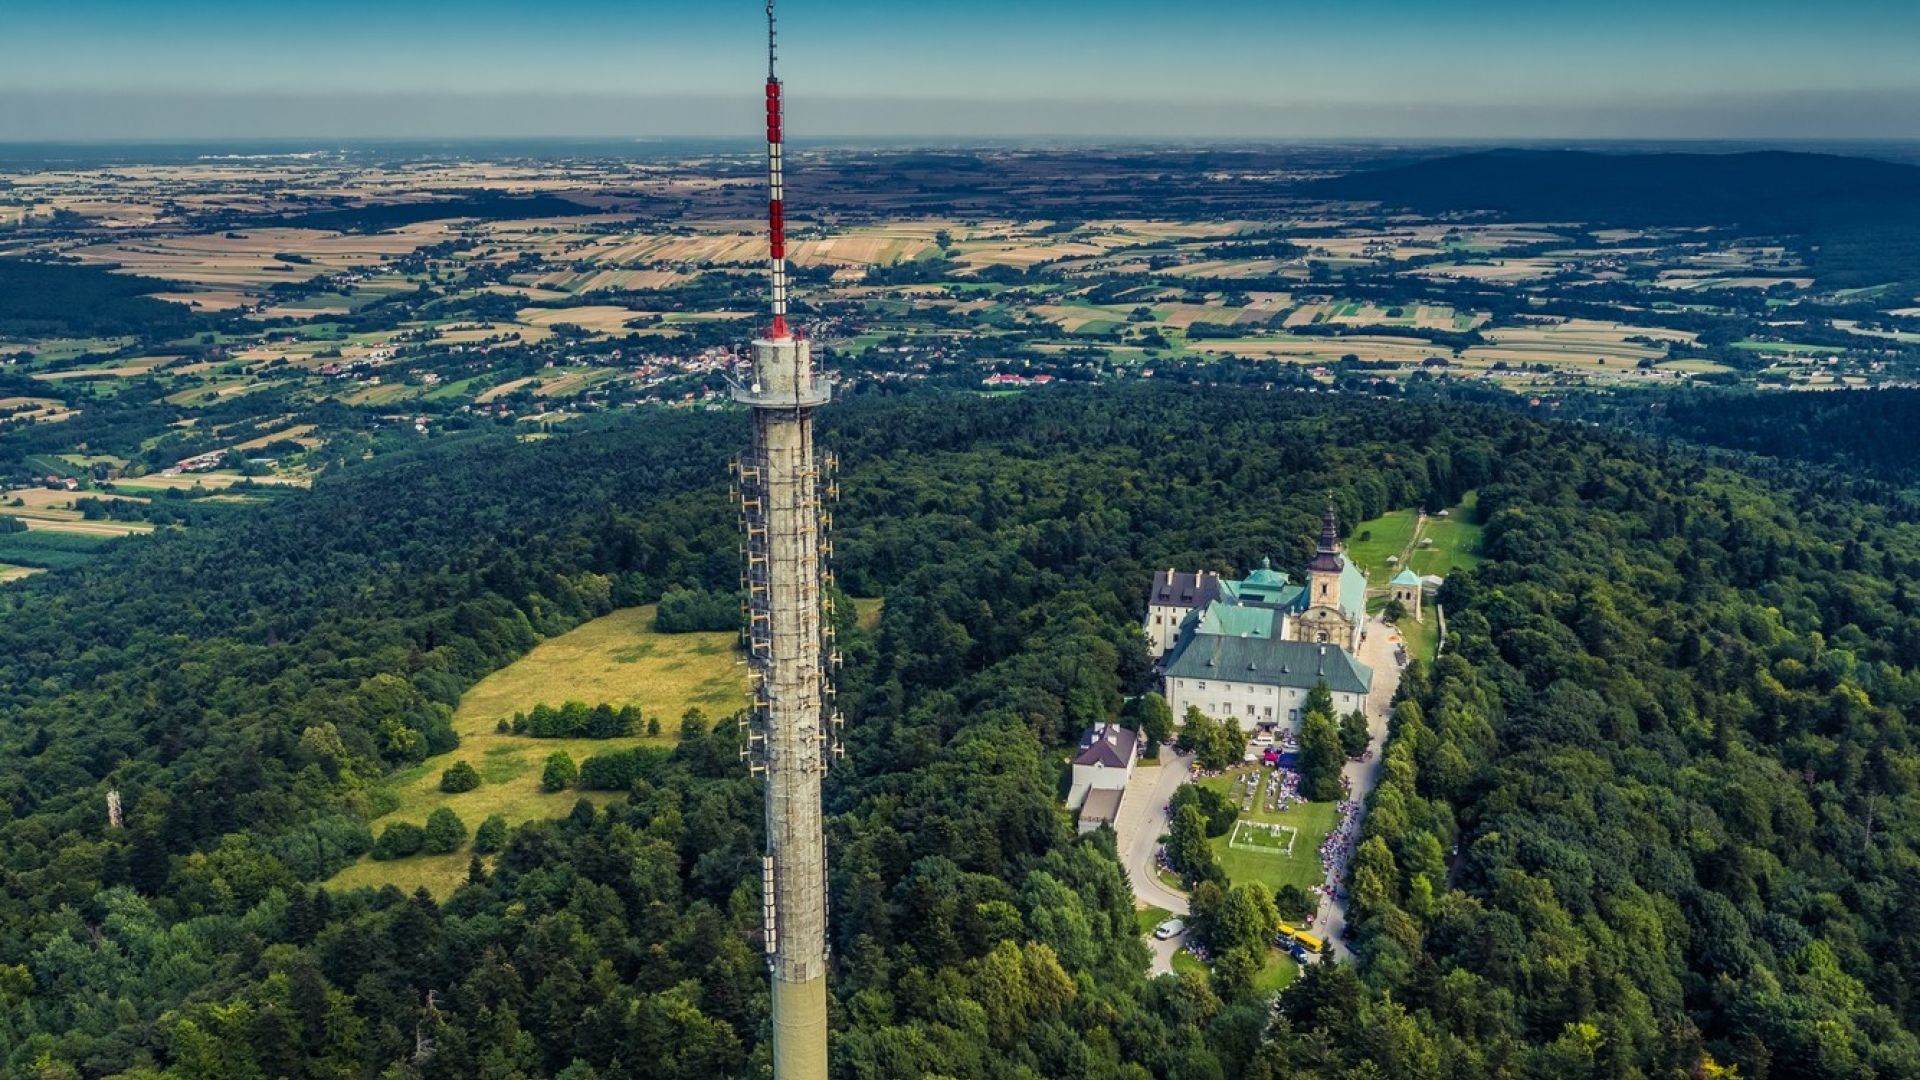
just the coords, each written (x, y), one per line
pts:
(1306, 940)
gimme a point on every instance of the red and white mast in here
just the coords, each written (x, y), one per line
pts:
(792, 729)
(776, 196)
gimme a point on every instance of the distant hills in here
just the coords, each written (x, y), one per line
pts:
(1767, 188)
(1861, 216)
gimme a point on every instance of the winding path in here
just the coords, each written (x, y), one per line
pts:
(1138, 826)
(1377, 652)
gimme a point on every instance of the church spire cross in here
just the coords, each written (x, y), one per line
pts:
(1329, 530)
(1327, 559)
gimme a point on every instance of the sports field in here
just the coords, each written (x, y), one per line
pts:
(617, 660)
(1262, 839)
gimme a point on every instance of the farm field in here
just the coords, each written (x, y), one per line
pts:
(320, 308)
(15, 573)
(212, 481)
(71, 522)
(615, 660)
(1326, 350)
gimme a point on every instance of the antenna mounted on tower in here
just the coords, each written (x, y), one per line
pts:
(776, 196)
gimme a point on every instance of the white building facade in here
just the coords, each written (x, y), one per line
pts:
(1254, 705)
(1261, 683)
(1105, 762)
(1174, 595)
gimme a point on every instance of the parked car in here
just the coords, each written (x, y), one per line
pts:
(1170, 928)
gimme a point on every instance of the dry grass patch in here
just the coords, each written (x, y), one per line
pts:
(298, 433)
(1328, 349)
(1239, 268)
(246, 259)
(59, 521)
(49, 499)
(598, 318)
(617, 660)
(488, 396)
(572, 383)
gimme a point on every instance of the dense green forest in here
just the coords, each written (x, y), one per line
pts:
(1867, 436)
(45, 299)
(1859, 218)
(1654, 813)
(489, 205)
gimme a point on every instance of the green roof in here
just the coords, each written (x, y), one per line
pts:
(1300, 665)
(1353, 591)
(1233, 620)
(1266, 575)
(1284, 594)
(1405, 577)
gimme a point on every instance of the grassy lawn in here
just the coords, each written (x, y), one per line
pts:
(1184, 961)
(1150, 917)
(1455, 544)
(1277, 974)
(616, 660)
(1422, 638)
(866, 612)
(1302, 868)
(1456, 541)
(1387, 535)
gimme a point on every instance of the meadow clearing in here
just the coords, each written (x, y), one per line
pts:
(1433, 545)
(615, 660)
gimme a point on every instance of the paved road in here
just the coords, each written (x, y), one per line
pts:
(1141, 822)
(1377, 652)
(1163, 953)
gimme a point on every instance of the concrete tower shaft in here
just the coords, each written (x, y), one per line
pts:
(790, 730)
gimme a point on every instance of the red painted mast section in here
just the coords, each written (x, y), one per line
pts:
(776, 208)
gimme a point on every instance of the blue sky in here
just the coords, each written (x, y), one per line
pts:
(1252, 68)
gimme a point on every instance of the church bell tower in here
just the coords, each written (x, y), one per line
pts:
(1323, 573)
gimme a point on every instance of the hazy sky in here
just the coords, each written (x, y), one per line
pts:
(169, 69)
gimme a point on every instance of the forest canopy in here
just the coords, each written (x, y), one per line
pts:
(1652, 814)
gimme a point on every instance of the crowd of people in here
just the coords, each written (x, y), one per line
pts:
(1338, 848)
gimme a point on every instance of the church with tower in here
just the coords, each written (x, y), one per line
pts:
(1252, 649)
